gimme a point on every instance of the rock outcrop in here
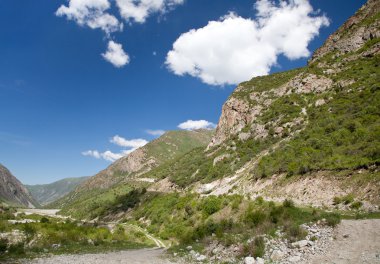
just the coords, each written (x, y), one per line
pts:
(12, 191)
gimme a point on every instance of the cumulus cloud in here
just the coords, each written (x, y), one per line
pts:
(132, 143)
(108, 155)
(196, 124)
(91, 13)
(116, 55)
(157, 132)
(139, 10)
(235, 49)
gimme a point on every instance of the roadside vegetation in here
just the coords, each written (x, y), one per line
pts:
(47, 235)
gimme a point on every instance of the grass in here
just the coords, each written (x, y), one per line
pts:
(50, 235)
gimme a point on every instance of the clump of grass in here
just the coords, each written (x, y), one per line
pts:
(356, 205)
(332, 219)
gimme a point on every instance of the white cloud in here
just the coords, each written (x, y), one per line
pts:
(139, 10)
(157, 132)
(235, 49)
(108, 155)
(132, 143)
(116, 55)
(196, 124)
(92, 14)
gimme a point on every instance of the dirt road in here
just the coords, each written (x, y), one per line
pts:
(356, 241)
(140, 256)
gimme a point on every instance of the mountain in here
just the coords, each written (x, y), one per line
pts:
(47, 193)
(310, 134)
(13, 192)
(117, 178)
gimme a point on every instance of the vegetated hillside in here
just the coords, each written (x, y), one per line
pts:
(48, 193)
(13, 192)
(119, 176)
(310, 134)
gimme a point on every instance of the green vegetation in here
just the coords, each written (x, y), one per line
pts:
(192, 219)
(342, 134)
(50, 235)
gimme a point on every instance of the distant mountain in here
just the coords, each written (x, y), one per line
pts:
(13, 192)
(48, 193)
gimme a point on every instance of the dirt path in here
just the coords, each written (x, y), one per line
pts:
(356, 241)
(140, 256)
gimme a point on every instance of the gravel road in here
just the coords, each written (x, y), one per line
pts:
(356, 241)
(140, 256)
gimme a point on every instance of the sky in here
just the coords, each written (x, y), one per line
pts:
(85, 82)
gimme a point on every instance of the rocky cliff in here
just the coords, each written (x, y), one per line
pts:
(252, 99)
(12, 191)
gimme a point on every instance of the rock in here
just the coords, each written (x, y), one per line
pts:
(320, 102)
(346, 235)
(294, 259)
(249, 260)
(201, 258)
(300, 244)
(277, 255)
(244, 136)
(189, 247)
(259, 260)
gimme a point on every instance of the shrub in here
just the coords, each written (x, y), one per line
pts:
(259, 247)
(337, 200)
(288, 203)
(348, 199)
(3, 245)
(356, 205)
(254, 218)
(332, 219)
(295, 233)
(44, 220)
(211, 205)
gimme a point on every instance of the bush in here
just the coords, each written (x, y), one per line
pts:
(44, 220)
(288, 203)
(211, 205)
(259, 247)
(332, 219)
(295, 233)
(3, 245)
(356, 205)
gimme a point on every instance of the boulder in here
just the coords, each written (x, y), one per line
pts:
(249, 260)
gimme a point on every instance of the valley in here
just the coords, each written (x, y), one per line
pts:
(290, 174)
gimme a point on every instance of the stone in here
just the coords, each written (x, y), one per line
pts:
(277, 255)
(300, 244)
(189, 247)
(249, 260)
(294, 259)
(260, 261)
(201, 258)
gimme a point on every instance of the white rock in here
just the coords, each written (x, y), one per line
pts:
(189, 247)
(294, 259)
(201, 258)
(259, 260)
(300, 244)
(249, 260)
(277, 255)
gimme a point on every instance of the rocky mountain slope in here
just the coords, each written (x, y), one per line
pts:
(129, 171)
(13, 192)
(292, 152)
(48, 193)
(309, 134)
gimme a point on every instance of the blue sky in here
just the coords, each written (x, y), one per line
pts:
(59, 97)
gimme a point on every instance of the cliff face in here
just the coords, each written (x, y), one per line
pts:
(12, 191)
(252, 99)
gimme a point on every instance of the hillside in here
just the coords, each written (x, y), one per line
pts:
(48, 193)
(13, 192)
(118, 177)
(310, 134)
